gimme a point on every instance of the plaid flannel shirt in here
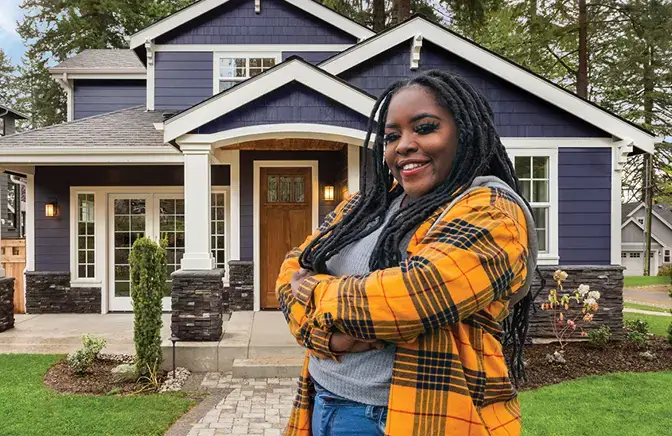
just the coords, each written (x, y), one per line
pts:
(442, 307)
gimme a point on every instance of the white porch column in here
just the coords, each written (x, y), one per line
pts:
(197, 255)
(2, 270)
(353, 168)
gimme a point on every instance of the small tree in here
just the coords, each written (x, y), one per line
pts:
(148, 275)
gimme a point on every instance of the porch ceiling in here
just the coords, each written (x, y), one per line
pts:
(294, 144)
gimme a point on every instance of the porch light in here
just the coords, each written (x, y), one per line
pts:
(329, 193)
(51, 208)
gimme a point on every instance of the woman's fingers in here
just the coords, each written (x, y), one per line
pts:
(342, 343)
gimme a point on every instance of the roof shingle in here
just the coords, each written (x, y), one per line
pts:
(102, 59)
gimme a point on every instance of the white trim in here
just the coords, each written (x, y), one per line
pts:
(416, 47)
(639, 206)
(641, 227)
(217, 55)
(616, 186)
(495, 65)
(199, 8)
(555, 142)
(353, 169)
(30, 227)
(257, 165)
(151, 82)
(253, 48)
(277, 131)
(262, 84)
(232, 158)
(101, 74)
(90, 155)
(70, 101)
(99, 239)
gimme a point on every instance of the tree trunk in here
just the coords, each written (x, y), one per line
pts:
(378, 15)
(582, 73)
(403, 8)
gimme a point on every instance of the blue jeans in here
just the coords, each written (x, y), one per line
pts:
(337, 416)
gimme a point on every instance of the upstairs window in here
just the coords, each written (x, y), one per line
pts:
(233, 68)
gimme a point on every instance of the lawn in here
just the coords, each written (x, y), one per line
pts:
(645, 307)
(630, 404)
(657, 324)
(28, 408)
(634, 281)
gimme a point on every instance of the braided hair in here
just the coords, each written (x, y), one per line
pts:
(480, 152)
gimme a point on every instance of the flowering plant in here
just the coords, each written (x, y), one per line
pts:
(565, 323)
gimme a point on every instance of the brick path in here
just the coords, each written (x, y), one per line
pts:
(254, 406)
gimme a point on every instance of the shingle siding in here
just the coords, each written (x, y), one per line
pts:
(236, 22)
(182, 79)
(517, 113)
(584, 188)
(95, 97)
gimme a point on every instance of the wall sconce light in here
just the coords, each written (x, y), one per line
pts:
(329, 193)
(51, 208)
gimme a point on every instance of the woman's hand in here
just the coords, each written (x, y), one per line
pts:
(344, 343)
(298, 278)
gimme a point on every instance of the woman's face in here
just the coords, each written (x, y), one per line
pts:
(420, 140)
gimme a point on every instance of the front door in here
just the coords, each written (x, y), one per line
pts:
(133, 216)
(285, 221)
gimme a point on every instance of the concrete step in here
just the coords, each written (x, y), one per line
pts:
(267, 367)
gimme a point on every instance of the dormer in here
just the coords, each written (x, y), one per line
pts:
(8, 119)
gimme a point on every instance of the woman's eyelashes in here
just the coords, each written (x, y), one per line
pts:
(420, 129)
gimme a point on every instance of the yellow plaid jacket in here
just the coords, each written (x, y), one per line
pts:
(442, 307)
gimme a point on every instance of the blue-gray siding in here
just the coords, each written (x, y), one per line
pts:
(182, 79)
(236, 22)
(52, 234)
(314, 57)
(517, 112)
(95, 97)
(584, 188)
(330, 168)
(293, 103)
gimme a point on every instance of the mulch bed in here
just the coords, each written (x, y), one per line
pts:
(584, 360)
(97, 380)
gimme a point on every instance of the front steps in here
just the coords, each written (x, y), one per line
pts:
(267, 367)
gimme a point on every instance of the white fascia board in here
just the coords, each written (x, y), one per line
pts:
(197, 9)
(495, 65)
(80, 73)
(261, 85)
(252, 48)
(90, 155)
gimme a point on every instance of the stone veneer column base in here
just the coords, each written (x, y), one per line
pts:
(6, 303)
(607, 279)
(50, 292)
(241, 285)
(197, 305)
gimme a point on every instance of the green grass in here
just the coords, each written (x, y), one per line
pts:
(635, 281)
(657, 324)
(646, 307)
(617, 404)
(28, 408)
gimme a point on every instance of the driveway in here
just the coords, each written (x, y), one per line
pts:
(655, 295)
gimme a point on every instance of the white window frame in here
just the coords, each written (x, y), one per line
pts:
(247, 55)
(99, 225)
(551, 255)
(226, 190)
(667, 254)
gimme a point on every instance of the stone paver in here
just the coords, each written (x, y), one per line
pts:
(253, 407)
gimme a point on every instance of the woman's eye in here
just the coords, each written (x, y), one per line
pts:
(426, 128)
(391, 137)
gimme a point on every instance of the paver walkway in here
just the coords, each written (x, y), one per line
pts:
(253, 407)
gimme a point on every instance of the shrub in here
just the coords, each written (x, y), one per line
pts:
(148, 279)
(669, 333)
(638, 332)
(81, 359)
(600, 337)
(665, 270)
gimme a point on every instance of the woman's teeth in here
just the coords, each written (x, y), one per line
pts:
(411, 166)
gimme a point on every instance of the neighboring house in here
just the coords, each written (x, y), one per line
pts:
(12, 186)
(632, 239)
(233, 127)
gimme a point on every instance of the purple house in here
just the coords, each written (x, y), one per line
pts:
(231, 128)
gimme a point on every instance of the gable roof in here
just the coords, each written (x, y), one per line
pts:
(203, 6)
(293, 69)
(627, 209)
(101, 61)
(5, 111)
(496, 65)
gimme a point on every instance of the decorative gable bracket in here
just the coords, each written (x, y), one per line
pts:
(623, 149)
(416, 45)
(257, 6)
(149, 47)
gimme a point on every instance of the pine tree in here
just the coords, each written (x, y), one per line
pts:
(7, 80)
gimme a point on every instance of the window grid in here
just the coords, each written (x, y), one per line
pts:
(666, 255)
(533, 174)
(85, 236)
(171, 229)
(130, 216)
(218, 228)
(236, 69)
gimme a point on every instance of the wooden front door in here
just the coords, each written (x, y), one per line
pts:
(285, 221)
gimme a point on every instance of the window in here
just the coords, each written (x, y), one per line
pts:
(624, 254)
(218, 241)
(233, 68)
(640, 221)
(13, 204)
(666, 255)
(635, 255)
(85, 236)
(533, 173)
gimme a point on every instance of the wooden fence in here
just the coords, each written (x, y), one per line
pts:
(14, 262)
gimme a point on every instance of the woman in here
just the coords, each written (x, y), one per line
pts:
(400, 295)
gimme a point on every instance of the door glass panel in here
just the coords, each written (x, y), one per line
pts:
(272, 195)
(171, 229)
(299, 196)
(285, 189)
(130, 217)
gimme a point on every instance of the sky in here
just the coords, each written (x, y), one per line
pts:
(9, 39)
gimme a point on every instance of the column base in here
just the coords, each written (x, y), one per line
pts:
(197, 262)
(51, 292)
(197, 299)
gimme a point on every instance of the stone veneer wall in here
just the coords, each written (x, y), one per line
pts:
(608, 280)
(197, 301)
(241, 285)
(6, 303)
(50, 292)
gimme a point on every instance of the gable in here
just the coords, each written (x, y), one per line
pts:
(95, 97)
(291, 103)
(236, 22)
(517, 112)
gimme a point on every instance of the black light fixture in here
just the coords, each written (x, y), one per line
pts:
(51, 208)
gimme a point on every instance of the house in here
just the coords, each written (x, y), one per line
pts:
(12, 186)
(232, 127)
(633, 227)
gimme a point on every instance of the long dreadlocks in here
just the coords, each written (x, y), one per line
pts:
(480, 152)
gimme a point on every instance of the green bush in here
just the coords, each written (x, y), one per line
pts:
(81, 359)
(637, 325)
(669, 333)
(148, 279)
(665, 270)
(600, 337)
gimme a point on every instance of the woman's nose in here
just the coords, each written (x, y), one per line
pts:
(406, 145)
